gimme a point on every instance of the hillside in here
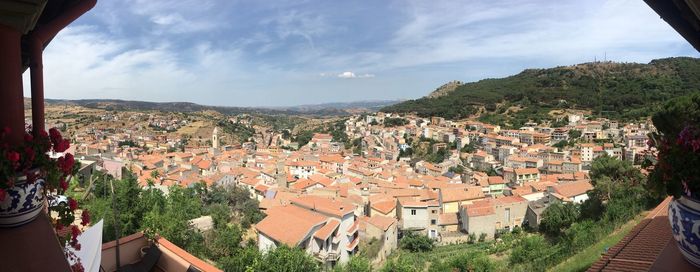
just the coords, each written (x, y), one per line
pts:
(614, 90)
(330, 109)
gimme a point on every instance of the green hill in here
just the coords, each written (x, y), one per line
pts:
(613, 90)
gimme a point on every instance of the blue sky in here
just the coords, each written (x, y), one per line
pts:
(283, 53)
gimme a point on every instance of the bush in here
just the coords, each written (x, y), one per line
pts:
(417, 243)
(482, 237)
(557, 217)
(472, 238)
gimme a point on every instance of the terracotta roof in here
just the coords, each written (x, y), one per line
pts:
(447, 219)
(479, 208)
(510, 199)
(525, 171)
(353, 244)
(382, 222)
(186, 256)
(384, 207)
(324, 205)
(649, 246)
(496, 180)
(575, 188)
(461, 194)
(289, 224)
(324, 232)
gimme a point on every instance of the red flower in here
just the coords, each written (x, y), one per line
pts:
(29, 153)
(63, 184)
(85, 218)
(13, 156)
(66, 163)
(74, 231)
(2, 194)
(72, 204)
(62, 145)
(28, 137)
(55, 135)
(43, 134)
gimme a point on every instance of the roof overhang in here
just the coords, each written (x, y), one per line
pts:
(682, 15)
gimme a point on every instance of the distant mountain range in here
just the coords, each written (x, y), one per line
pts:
(609, 89)
(327, 109)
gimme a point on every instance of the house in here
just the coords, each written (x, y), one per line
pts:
(533, 216)
(325, 228)
(526, 175)
(575, 191)
(417, 215)
(385, 230)
(383, 207)
(448, 222)
(452, 198)
(491, 215)
(496, 185)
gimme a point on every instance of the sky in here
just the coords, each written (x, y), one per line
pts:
(285, 53)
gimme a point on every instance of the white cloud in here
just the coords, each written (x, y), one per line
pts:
(349, 74)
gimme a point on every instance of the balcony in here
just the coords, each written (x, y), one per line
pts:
(325, 256)
(172, 257)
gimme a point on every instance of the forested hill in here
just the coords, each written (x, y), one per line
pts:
(614, 90)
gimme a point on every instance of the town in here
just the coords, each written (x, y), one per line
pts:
(379, 178)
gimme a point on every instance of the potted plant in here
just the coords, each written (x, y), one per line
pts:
(36, 170)
(676, 171)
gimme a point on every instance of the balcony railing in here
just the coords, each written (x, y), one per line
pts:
(326, 256)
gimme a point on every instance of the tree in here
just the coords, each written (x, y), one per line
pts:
(416, 243)
(574, 134)
(224, 241)
(285, 259)
(470, 148)
(355, 264)
(459, 169)
(558, 217)
(609, 174)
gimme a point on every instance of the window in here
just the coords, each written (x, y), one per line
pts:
(507, 216)
(434, 211)
(413, 212)
(433, 221)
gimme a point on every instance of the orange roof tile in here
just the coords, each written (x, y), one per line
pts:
(571, 189)
(324, 232)
(289, 224)
(382, 222)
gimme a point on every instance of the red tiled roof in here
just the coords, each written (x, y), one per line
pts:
(525, 171)
(571, 189)
(479, 208)
(447, 219)
(644, 247)
(327, 229)
(384, 207)
(381, 222)
(289, 224)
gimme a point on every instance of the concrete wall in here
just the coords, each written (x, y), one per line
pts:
(418, 221)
